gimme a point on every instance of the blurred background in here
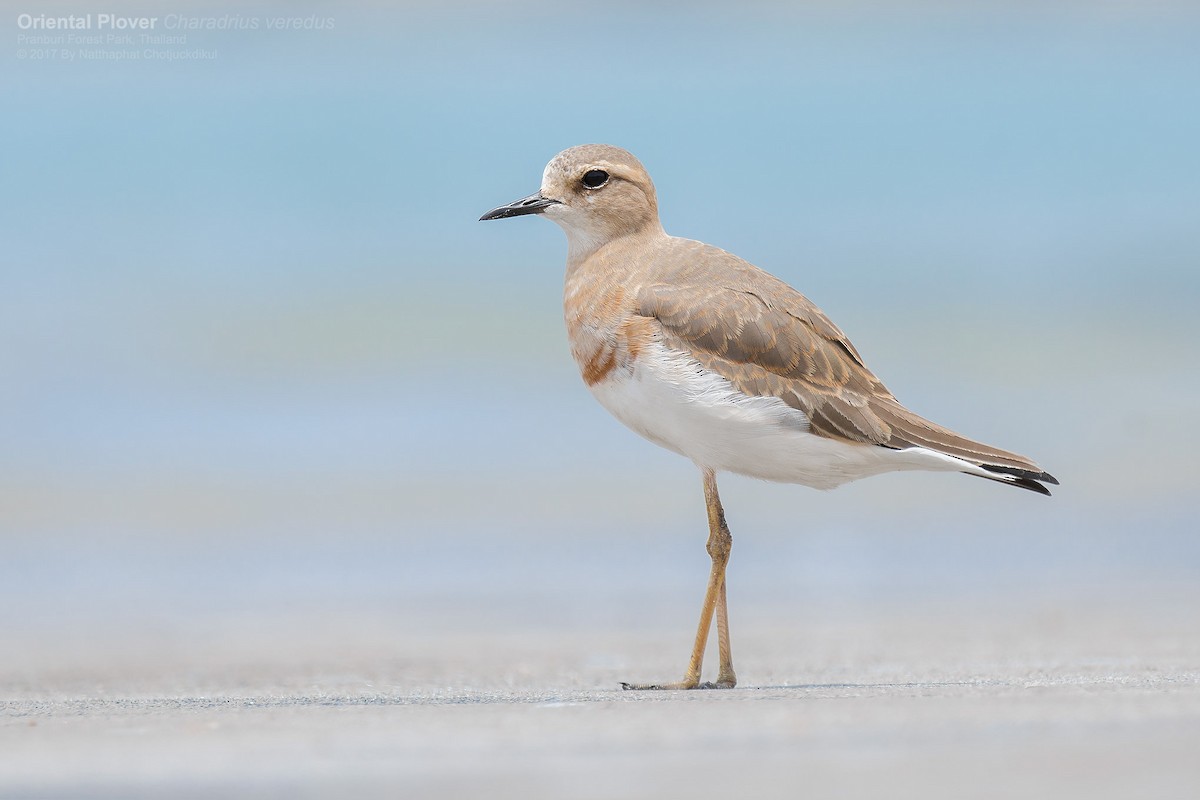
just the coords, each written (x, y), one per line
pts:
(263, 371)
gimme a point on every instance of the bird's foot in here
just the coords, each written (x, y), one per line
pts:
(645, 687)
(720, 683)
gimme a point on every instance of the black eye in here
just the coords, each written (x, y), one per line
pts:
(595, 178)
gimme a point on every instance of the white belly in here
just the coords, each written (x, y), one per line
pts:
(671, 400)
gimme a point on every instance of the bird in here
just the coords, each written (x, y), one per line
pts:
(709, 356)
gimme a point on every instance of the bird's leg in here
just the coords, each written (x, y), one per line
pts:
(719, 544)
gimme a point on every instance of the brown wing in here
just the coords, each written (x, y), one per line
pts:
(795, 354)
(769, 340)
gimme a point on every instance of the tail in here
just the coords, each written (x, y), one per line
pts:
(910, 430)
(1026, 479)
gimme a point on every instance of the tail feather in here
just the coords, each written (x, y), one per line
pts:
(1022, 473)
(910, 430)
(1030, 483)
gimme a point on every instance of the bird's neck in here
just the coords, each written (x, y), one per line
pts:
(584, 246)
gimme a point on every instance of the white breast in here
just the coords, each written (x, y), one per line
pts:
(670, 399)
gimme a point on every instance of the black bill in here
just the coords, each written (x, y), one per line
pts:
(534, 204)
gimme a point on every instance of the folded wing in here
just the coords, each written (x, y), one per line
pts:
(769, 340)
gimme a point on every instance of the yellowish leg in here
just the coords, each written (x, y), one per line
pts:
(719, 544)
(726, 679)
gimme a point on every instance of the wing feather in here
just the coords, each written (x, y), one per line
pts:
(767, 339)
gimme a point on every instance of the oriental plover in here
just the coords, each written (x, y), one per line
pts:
(709, 356)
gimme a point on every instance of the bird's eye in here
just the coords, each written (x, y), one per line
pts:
(595, 178)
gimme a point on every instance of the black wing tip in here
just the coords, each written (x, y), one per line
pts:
(1024, 478)
(1030, 484)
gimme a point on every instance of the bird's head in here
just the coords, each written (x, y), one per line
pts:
(595, 192)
